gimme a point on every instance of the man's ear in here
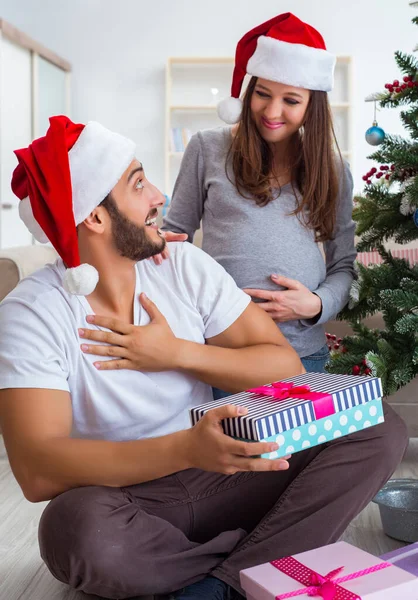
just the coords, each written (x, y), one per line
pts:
(98, 220)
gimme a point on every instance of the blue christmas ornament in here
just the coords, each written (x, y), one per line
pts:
(375, 135)
(416, 217)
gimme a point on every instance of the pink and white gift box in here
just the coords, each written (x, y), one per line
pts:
(335, 572)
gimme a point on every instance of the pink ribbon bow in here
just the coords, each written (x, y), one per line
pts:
(320, 585)
(323, 585)
(323, 404)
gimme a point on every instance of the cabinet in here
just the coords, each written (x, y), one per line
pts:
(194, 86)
(34, 85)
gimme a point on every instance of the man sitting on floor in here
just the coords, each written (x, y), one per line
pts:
(142, 503)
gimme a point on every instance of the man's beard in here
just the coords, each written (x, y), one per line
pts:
(131, 240)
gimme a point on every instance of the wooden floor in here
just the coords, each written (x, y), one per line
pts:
(24, 577)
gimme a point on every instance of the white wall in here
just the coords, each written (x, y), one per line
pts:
(118, 50)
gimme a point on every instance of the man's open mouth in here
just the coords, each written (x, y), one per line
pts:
(151, 220)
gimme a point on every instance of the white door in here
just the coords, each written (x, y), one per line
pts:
(52, 96)
(16, 132)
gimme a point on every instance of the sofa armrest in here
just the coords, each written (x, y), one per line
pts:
(17, 263)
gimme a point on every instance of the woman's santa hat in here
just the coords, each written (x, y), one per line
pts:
(60, 179)
(283, 49)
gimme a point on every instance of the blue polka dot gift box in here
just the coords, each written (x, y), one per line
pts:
(335, 572)
(302, 411)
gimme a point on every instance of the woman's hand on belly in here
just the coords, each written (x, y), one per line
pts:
(295, 302)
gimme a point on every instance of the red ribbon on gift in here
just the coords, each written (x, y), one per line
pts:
(280, 390)
(325, 586)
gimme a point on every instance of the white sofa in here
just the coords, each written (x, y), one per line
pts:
(17, 263)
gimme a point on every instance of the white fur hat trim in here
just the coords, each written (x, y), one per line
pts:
(81, 280)
(27, 216)
(229, 110)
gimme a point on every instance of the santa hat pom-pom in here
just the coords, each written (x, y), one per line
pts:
(229, 110)
(81, 281)
(26, 214)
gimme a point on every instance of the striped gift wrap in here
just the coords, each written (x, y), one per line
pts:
(269, 418)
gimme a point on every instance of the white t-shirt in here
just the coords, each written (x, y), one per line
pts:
(40, 345)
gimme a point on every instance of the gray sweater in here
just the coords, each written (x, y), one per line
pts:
(252, 242)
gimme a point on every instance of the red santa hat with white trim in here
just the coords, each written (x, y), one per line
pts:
(61, 177)
(283, 49)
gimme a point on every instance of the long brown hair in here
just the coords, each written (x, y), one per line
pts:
(313, 155)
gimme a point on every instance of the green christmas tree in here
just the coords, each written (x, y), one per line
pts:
(387, 210)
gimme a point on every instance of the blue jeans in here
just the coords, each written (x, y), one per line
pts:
(314, 363)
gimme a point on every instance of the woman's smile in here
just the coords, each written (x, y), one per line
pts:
(271, 124)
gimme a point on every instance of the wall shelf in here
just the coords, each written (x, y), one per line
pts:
(209, 107)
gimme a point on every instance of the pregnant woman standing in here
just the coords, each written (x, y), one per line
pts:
(273, 187)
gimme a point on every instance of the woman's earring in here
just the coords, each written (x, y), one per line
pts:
(375, 135)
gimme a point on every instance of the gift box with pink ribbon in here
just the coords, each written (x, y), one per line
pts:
(335, 572)
(303, 411)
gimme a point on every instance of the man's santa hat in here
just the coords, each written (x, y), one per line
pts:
(60, 179)
(283, 49)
